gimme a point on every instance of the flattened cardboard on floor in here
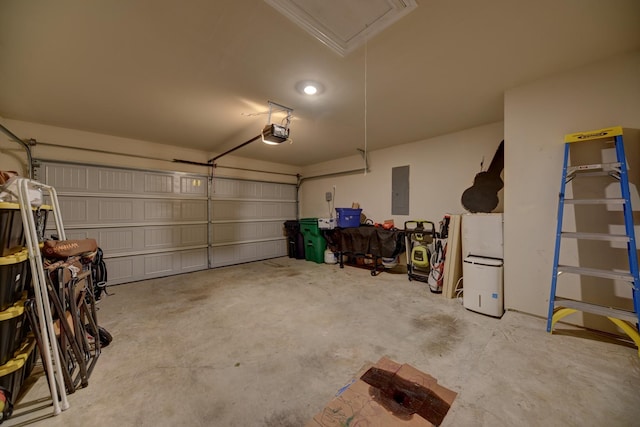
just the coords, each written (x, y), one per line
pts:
(388, 394)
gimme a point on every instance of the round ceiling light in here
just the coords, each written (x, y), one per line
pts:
(310, 88)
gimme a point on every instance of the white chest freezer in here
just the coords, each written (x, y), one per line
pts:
(483, 288)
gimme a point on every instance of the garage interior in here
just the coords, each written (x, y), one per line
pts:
(147, 118)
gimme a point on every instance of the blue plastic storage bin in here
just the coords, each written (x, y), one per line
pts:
(348, 217)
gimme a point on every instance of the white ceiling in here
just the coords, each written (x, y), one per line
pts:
(198, 73)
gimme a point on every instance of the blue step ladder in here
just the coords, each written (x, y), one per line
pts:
(559, 307)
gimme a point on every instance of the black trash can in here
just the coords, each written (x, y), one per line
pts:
(295, 239)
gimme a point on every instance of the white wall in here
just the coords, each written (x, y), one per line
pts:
(13, 157)
(537, 116)
(441, 169)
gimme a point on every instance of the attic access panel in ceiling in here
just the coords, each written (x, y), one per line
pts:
(343, 25)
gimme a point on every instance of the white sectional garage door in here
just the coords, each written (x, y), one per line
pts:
(247, 219)
(154, 224)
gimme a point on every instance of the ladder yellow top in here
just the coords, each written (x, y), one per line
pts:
(593, 134)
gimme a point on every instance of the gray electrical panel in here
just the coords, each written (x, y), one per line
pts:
(400, 190)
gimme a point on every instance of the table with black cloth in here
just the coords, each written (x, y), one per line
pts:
(366, 241)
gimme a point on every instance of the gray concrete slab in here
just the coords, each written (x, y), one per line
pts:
(269, 344)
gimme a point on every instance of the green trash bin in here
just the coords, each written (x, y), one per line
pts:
(314, 242)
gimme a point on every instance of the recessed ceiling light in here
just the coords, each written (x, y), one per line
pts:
(309, 87)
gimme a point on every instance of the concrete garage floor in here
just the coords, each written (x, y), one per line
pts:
(269, 344)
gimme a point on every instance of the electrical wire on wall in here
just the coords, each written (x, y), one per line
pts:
(331, 203)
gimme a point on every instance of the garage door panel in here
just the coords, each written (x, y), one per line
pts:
(192, 235)
(235, 210)
(220, 210)
(223, 255)
(113, 241)
(71, 178)
(273, 229)
(160, 210)
(141, 267)
(231, 189)
(158, 183)
(227, 188)
(277, 191)
(224, 233)
(104, 211)
(74, 211)
(159, 264)
(288, 192)
(270, 191)
(77, 234)
(270, 210)
(117, 241)
(221, 188)
(159, 237)
(194, 260)
(248, 210)
(116, 181)
(234, 232)
(65, 178)
(229, 255)
(243, 231)
(248, 230)
(272, 249)
(247, 252)
(290, 211)
(121, 270)
(233, 254)
(117, 210)
(251, 210)
(193, 186)
(193, 210)
(249, 189)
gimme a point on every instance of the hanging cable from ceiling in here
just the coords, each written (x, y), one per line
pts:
(366, 43)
